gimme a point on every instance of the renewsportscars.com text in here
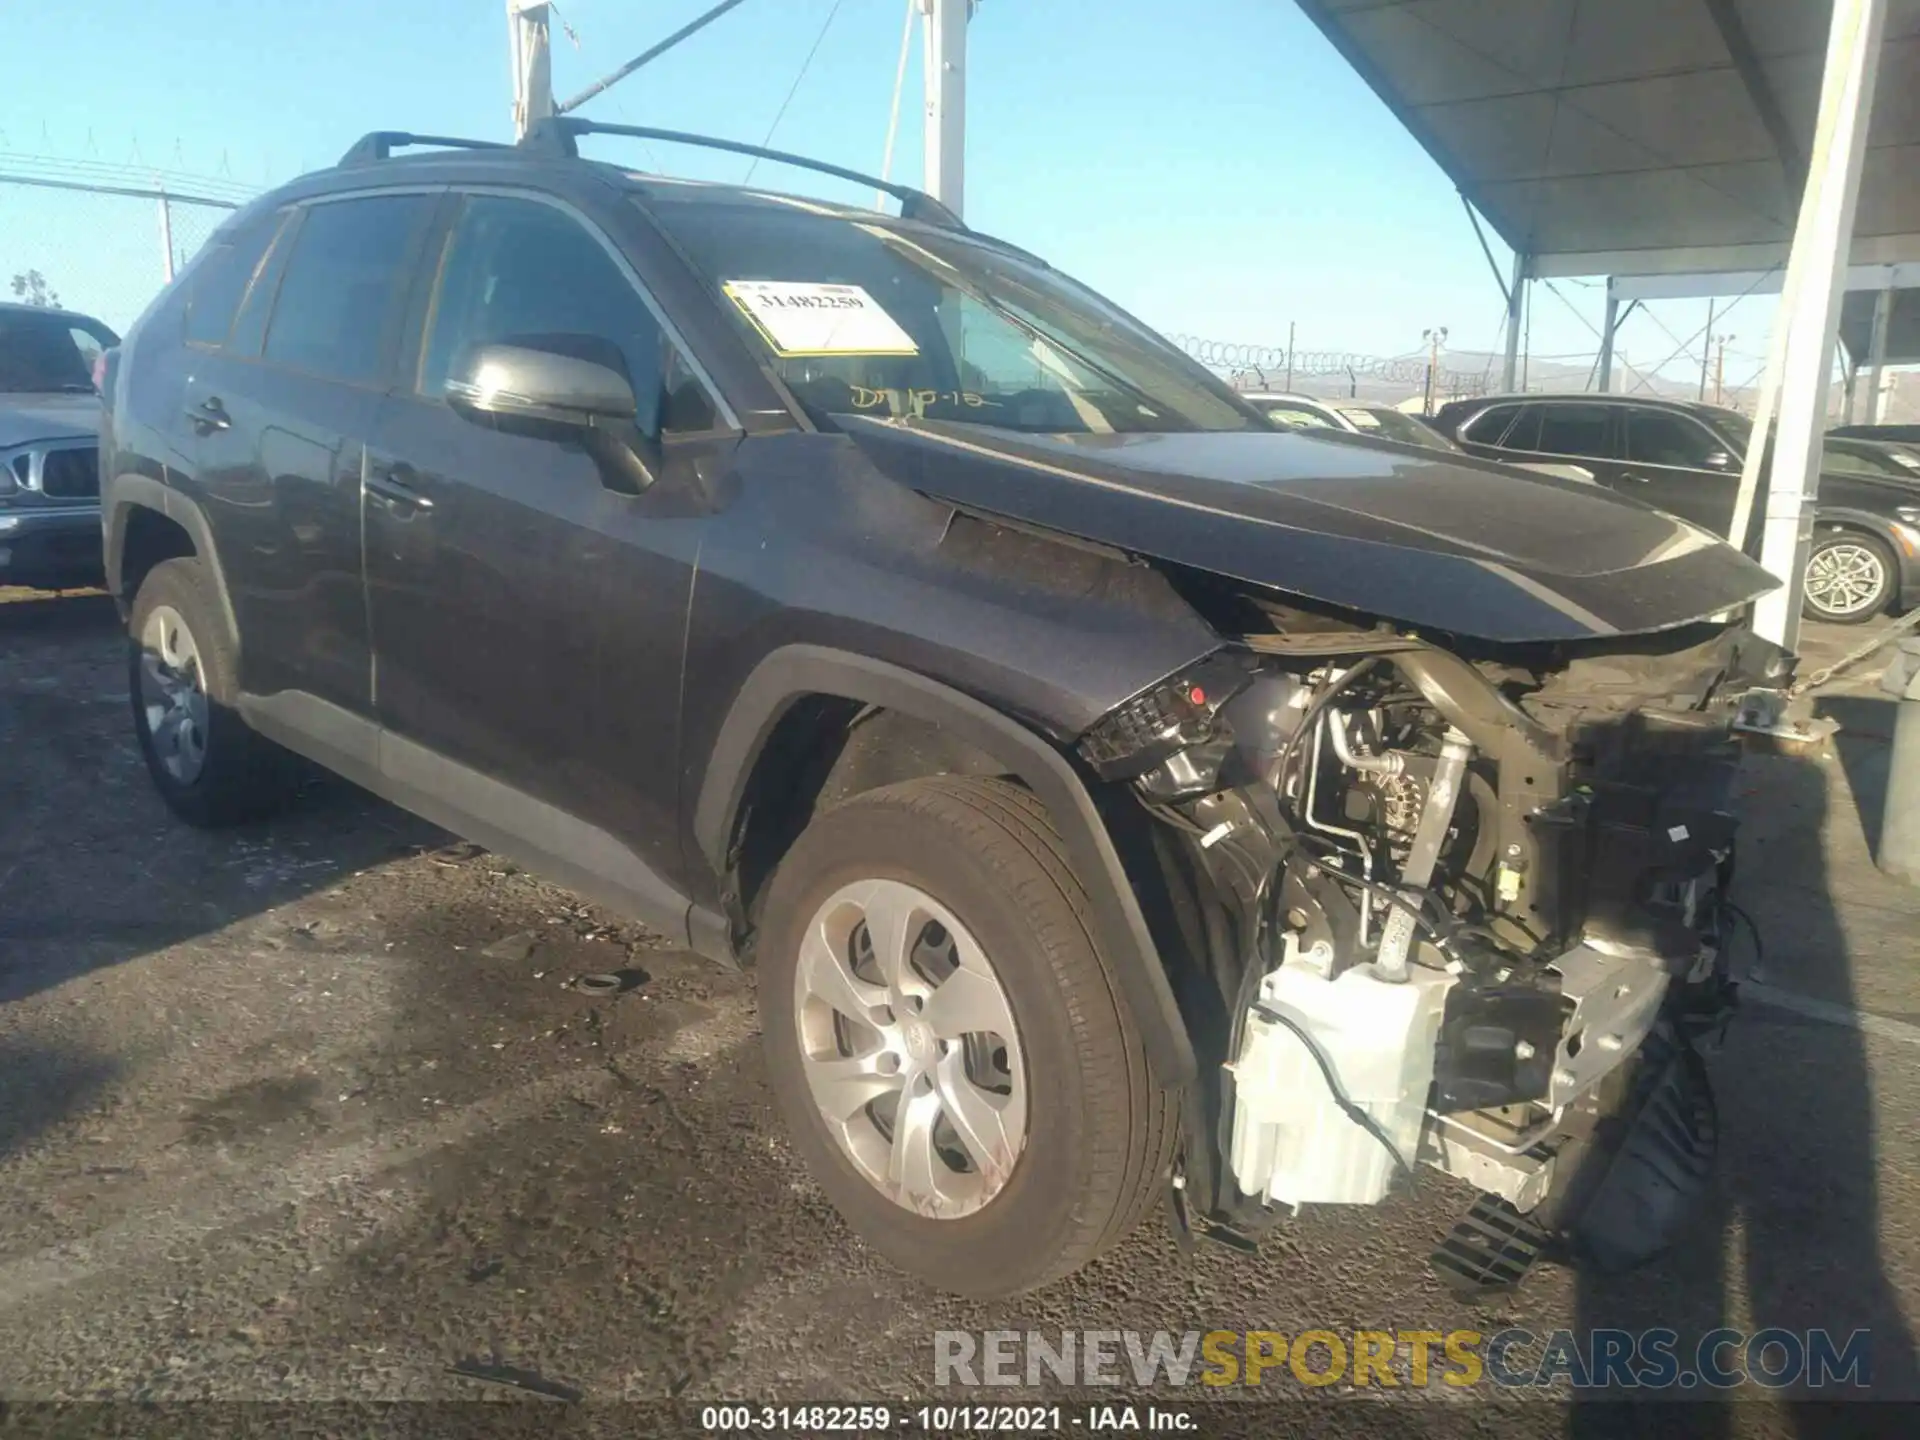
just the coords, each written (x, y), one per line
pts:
(1657, 1359)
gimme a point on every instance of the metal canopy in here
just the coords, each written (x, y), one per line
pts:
(1637, 136)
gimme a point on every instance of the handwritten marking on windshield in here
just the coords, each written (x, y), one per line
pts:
(915, 402)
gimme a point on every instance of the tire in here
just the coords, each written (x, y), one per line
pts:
(1099, 1129)
(1855, 575)
(177, 645)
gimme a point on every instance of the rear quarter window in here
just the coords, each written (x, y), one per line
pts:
(220, 279)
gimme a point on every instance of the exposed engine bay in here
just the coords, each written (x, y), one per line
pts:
(1463, 910)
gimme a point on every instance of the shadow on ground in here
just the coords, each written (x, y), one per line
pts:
(93, 869)
(1864, 746)
(1796, 1100)
(42, 1085)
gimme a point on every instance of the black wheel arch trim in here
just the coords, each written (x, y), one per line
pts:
(795, 671)
(126, 493)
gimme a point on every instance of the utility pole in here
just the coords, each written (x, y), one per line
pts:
(946, 99)
(1706, 355)
(532, 62)
(1435, 338)
(1290, 325)
(1720, 368)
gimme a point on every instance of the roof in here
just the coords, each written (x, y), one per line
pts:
(1588, 397)
(1636, 136)
(15, 307)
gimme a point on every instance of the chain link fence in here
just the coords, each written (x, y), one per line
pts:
(98, 239)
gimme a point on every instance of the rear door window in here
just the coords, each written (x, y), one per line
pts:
(1658, 437)
(334, 313)
(1579, 431)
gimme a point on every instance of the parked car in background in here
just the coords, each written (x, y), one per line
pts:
(1685, 458)
(1378, 422)
(1893, 434)
(49, 447)
(854, 594)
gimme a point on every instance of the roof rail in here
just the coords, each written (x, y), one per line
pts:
(380, 145)
(556, 135)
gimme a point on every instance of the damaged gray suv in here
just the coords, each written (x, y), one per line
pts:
(1123, 803)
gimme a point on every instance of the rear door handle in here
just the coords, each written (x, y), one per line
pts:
(394, 487)
(209, 415)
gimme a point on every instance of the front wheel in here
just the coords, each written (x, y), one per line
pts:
(1850, 578)
(947, 1044)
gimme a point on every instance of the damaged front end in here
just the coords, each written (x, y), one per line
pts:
(1463, 908)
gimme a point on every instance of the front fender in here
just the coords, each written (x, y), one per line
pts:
(788, 674)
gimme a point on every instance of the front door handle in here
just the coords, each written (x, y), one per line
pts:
(209, 415)
(394, 488)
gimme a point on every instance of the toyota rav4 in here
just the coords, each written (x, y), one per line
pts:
(1123, 802)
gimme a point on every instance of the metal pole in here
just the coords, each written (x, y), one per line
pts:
(893, 115)
(1832, 192)
(1900, 828)
(1608, 327)
(946, 99)
(699, 22)
(527, 37)
(1706, 352)
(1290, 325)
(1515, 299)
(166, 237)
(1877, 353)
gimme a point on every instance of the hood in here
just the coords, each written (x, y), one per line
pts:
(1870, 491)
(27, 418)
(1434, 541)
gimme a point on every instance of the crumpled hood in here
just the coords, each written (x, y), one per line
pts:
(1439, 542)
(27, 418)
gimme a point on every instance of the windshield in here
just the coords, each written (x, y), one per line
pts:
(1837, 455)
(880, 318)
(1860, 457)
(1390, 424)
(47, 352)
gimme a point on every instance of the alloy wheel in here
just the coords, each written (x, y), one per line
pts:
(173, 694)
(910, 1048)
(1846, 578)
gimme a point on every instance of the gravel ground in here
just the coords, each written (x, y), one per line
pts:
(318, 1111)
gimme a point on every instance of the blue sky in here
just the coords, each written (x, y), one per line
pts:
(1214, 167)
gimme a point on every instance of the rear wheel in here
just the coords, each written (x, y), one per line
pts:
(1850, 578)
(946, 1043)
(208, 765)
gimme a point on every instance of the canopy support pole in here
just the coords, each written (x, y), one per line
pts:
(527, 27)
(1608, 327)
(1877, 354)
(945, 79)
(1516, 302)
(1812, 313)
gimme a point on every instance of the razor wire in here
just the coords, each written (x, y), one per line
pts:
(1265, 363)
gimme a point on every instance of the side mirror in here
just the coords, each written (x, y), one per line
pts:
(552, 395)
(1719, 460)
(515, 382)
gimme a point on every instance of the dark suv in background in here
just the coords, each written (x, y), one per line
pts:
(49, 447)
(1685, 458)
(858, 595)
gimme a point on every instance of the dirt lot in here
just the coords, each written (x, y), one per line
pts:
(319, 1110)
